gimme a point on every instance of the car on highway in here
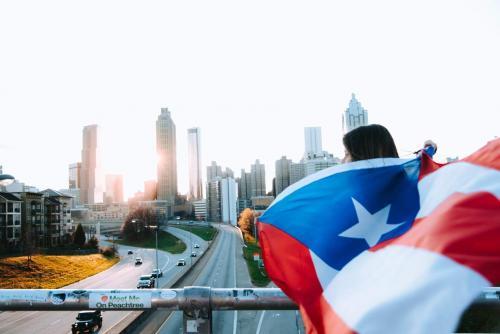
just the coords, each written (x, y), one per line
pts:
(146, 282)
(181, 262)
(138, 261)
(193, 254)
(130, 252)
(196, 246)
(87, 322)
(156, 273)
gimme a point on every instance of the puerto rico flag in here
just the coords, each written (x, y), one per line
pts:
(387, 245)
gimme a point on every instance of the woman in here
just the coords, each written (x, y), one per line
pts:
(374, 141)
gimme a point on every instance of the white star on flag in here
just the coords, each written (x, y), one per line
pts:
(370, 227)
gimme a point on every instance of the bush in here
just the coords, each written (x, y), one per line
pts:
(108, 251)
(93, 243)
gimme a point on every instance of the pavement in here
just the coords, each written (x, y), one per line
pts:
(123, 275)
(226, 269)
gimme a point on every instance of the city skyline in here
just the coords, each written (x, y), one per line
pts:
(251, 96)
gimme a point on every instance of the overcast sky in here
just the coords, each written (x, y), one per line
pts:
(250, 74)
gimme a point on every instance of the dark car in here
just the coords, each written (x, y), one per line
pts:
(193, 254)
(87, 322)
(130, 252)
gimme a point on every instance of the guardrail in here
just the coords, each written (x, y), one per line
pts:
(196, 302)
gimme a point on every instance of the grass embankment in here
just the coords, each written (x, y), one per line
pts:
(166, 242)
(257, 275)
(207, 233)
(50, 271)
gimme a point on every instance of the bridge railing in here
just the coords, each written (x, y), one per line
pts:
(196, 302)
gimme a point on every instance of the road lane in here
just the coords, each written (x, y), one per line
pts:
(217, 273)
(123, 275)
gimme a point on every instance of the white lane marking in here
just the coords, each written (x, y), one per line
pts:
(117, 322)
(234, 272)
(260, 322)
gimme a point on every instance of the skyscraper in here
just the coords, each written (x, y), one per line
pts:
(258, 179)
(167, 165)
(282, 174)
(74, 175)
(222, 200)
(297, 171)
(91, 190)
(312, 136)
(114, 189)
(354, 116)
(213, 171)
(194, 164)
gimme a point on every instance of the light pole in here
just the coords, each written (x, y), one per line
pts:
(190, 246)
(157, 269)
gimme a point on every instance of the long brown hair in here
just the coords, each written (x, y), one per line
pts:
(369, 142)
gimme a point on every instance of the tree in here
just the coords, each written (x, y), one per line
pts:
(137, 225)
(79, 236)
(246, 224)
(93, 243)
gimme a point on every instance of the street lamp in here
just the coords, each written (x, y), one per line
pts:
(190, 245)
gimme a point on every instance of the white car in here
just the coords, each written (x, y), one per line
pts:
(181, 262)
(138, 260)
(196, 246)
(156, 273)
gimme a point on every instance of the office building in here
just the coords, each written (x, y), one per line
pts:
(200, 209)
(258, 179)
(114, 189)
(91, 182)
(313, 141)
(149, 190)
(213, 171)
(194, 164)
(297, 171)
(354, 116)
(222, 200)
(74, 175)
(282, 180)
(167, 165)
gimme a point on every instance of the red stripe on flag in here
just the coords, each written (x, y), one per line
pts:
(292, 269)
(465, 228)
(427, 166)
(487, 156)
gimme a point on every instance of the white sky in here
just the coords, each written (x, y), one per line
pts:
(250, 74)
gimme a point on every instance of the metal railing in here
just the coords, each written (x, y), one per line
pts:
(196, 302)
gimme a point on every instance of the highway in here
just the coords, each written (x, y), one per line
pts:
(123, 275)
(226, 269)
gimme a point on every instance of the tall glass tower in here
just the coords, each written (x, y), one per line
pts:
(167, 164)
(194, 164)
(92, 179)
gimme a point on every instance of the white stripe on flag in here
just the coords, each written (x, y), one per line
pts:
(362, 164)
(461, 177)
(324, 272)
(400, 289)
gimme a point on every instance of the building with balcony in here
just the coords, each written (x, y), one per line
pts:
(57, 213)
(10, 222)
